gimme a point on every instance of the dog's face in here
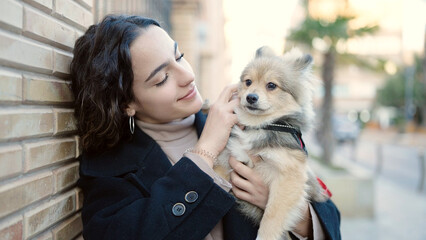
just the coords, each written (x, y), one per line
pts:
(275, 86)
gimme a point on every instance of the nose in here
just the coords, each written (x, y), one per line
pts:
(185, 74)
(252, 98)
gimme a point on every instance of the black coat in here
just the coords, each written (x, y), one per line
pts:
(133, 192)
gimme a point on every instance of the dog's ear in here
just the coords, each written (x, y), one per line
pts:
(265, 51)
(298, 60)
(303, 62)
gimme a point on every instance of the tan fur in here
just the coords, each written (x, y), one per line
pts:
(283, 169)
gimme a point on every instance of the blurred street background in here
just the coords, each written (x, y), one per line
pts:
(396, 197)
(369, 143)
(369, 140)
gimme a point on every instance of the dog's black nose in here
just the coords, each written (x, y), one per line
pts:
(252, 98)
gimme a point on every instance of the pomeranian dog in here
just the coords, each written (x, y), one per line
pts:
(275, 106)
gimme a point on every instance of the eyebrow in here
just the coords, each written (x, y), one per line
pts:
(156, 70)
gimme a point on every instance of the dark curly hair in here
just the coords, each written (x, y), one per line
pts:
(102, 79)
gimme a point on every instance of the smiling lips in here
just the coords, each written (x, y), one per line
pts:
(189, 95)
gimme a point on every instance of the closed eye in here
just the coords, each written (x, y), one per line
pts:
(180, 57)
(163, 81)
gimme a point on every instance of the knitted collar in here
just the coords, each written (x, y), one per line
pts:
(168, 132)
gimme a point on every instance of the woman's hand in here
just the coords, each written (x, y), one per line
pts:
(219, 123)
(248, 185)
(304, 228)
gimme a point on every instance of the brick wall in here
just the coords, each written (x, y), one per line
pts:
(38, 145)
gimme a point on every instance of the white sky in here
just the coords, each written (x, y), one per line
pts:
(251, 24)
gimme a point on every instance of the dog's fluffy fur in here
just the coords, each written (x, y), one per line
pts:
(275, 88)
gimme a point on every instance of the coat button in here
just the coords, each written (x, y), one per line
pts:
(191, 196)
(178, 209)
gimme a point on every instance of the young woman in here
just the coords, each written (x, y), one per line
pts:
(148, 151)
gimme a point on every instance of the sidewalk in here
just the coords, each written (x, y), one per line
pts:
(399, 212)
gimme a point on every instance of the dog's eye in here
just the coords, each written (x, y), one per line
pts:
(248, 82)
(271, 86)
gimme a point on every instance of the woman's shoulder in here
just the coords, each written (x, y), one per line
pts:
(116, 161)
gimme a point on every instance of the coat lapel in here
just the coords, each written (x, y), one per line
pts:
(154, 164)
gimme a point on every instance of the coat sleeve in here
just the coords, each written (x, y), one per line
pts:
(329, 217)
(122, 208)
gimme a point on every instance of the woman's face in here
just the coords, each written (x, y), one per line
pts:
(163, 83)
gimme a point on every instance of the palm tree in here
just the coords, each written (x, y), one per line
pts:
(424, 82)
(329, 32)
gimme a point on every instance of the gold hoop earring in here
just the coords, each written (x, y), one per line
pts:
(132, 124)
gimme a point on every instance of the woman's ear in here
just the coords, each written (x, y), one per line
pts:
(130, 110)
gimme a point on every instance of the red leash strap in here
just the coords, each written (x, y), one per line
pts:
(324, 187)
(301, 143)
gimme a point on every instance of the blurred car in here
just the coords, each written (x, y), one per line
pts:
(345, 130)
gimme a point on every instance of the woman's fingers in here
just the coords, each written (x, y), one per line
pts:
(247, 184)
(240, 168)
(220, 120)
(233, 104)
(243, 195)
(227, 93)
(239, 182)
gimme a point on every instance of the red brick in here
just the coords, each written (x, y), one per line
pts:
(65, 121)
(66, 176)
(20, 53)
(80, 198)
(62, 61)
(11, 229)
(23, 192)
(73, 13)
(79, 149)
(44, 153)
(44, 28)
(10, 160)
(44, 216)
(69, 229)
(45, 236)
(10, 87)
(86, 3)
(24, 123)
(45, 5)
(80, 237)
(11, 15)
(46, 91)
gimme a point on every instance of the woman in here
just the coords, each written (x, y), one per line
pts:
(148, 151)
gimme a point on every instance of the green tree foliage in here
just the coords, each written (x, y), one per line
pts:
(330, 32)
(392, 94)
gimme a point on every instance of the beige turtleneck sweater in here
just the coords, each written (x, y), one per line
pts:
(177, 136)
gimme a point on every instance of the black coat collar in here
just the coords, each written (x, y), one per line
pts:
(132, 156)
